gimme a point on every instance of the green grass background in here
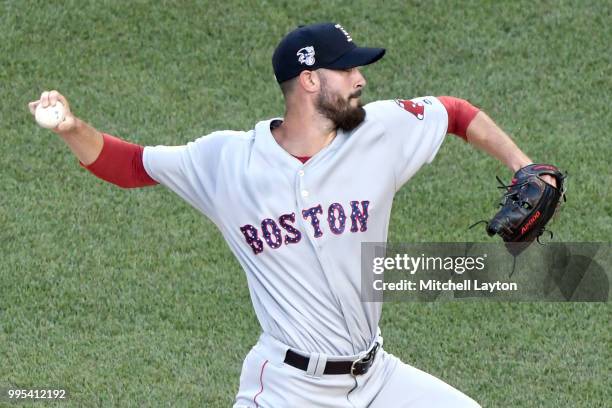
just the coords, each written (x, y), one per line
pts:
(131, 298)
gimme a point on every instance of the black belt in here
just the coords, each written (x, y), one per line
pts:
(353, 367)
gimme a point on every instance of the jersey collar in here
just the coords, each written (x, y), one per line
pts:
(276, 156)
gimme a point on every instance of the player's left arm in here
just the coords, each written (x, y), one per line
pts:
(479, 130)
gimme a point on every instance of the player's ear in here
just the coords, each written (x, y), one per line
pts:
(310, 81)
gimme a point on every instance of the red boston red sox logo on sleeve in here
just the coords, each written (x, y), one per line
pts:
(414, 107)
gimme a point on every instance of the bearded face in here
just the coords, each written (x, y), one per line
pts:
(338, 109)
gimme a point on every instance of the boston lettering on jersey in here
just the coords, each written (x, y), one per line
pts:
(275, 234)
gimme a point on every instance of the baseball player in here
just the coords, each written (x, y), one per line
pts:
(294, 198)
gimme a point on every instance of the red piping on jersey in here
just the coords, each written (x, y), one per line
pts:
(260, 382)
(460, 115)
(120, 163)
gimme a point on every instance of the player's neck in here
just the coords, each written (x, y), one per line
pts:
(304, 133)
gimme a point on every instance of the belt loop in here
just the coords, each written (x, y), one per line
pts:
(321, 366)
(316, 365)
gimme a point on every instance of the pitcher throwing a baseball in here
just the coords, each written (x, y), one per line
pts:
(295, 197)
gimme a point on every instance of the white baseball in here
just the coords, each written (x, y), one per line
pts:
(51, 116)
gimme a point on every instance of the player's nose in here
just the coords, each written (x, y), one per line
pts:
(360, 80)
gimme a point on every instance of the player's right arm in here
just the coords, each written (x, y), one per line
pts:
(109, 158)
(190, 170)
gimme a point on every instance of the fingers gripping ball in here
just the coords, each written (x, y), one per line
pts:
(527, 204)
(51, 116)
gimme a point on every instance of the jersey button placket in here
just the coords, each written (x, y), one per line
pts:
(304, 193)
(302, 198)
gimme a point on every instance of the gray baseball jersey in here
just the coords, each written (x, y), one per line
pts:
(297, 228)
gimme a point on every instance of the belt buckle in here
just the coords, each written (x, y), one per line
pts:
(366, 360)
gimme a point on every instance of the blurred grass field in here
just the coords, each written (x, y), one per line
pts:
(131, 298)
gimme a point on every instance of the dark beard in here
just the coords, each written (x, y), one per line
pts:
(339, 111)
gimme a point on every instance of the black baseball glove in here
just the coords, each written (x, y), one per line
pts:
(527, 205)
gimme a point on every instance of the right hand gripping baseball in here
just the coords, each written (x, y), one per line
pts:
(50, 98)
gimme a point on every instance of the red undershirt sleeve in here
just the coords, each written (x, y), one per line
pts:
(460, 114)
(120, 163)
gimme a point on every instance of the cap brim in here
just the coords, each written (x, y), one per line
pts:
(357, 57)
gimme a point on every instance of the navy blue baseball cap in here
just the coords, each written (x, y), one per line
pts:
(315, 46)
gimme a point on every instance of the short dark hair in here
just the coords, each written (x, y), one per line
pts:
(288, 86)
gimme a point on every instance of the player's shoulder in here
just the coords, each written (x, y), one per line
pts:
(226, 136)
(222, 139)
(416, 107)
